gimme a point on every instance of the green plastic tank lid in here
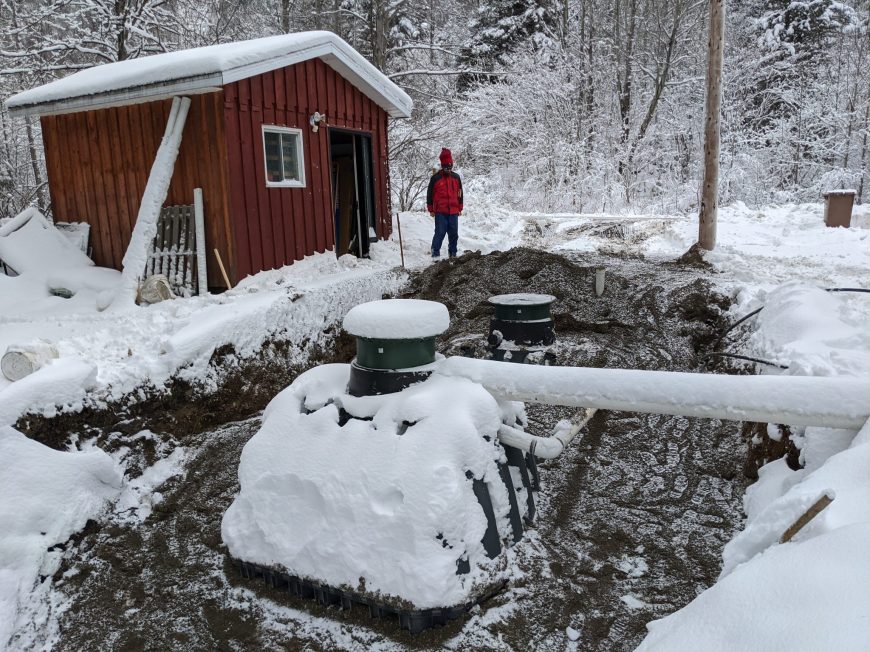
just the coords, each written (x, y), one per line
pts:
(397, 319)
(396, 334)
(522, 306)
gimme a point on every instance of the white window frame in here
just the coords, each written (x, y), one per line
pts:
(300, 153)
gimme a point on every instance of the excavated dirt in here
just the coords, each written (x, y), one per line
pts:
(631, 519)
(246, 387)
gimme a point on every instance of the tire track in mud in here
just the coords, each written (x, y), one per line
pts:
(633, 528)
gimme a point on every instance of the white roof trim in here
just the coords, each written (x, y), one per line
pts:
(203, 70)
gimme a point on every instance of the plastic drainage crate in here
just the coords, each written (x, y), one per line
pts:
(414, 620)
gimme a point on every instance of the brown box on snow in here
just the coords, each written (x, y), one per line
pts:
(838, 207)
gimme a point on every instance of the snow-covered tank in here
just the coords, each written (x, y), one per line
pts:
(379, 483)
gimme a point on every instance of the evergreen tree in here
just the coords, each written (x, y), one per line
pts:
(503, 27)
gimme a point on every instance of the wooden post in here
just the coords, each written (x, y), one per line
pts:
(401, 248)
(217, 255)
(710, 186)
(814, 510)
(199, 220)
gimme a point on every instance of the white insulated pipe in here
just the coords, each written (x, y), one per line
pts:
(833, 402)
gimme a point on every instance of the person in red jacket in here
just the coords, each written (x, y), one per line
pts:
(444, 203)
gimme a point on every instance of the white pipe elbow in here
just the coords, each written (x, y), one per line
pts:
(545, 448)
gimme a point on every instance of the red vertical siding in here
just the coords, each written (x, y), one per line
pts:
(98, 163)
(275, 226)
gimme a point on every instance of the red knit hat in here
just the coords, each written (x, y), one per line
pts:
(446, 157)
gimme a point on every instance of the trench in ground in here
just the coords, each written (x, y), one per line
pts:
(631, 519)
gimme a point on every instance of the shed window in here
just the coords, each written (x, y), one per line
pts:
(284, 162)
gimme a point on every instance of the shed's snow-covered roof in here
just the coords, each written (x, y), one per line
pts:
(205, 69)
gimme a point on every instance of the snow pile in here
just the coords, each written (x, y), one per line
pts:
(384, 506)
(808, 594)
(807, 329)
(47, 495)
(47, 263)
(397, 319)
(28, 242)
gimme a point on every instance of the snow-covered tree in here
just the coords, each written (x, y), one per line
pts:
(501, 28)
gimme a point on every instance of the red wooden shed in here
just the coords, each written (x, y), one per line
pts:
(286, 136)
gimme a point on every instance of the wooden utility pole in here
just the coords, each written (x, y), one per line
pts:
(710, 187)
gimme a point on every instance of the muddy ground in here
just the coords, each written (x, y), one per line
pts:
(631, 519)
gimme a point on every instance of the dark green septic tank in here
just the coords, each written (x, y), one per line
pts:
(394, 338)
(522, 319)
(522, 307)
(394, 354)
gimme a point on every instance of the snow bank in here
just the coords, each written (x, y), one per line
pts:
(299, 304)
(381, 506)
(397, 319)
(808, 594)
(843, 477)
(47, 495)
(29, 242)
(61, 384)
(803, 327)
(798, 596)
(46, 260)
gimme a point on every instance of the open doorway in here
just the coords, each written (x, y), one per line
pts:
(353, 191)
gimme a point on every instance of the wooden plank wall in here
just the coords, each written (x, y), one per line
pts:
(98, 164)
(275, 226)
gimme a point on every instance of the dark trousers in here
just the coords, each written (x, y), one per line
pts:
(445, 225)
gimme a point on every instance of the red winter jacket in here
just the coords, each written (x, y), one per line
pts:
(445, 193)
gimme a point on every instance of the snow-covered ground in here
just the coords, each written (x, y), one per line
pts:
(777, 257)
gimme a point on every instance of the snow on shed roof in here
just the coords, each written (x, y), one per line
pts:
(205, 69)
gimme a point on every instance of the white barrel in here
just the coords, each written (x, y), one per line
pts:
(21, 360)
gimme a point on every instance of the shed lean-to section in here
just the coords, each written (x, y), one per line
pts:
(98, 163)
(100, 145)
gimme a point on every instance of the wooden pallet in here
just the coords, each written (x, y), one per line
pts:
(173, 251)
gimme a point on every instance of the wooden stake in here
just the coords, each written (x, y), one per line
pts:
(808, 516)
(223, 269)
(710, 185)
(199, 226)
(401, 247)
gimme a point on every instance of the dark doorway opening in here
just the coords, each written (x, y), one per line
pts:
(353, 191)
